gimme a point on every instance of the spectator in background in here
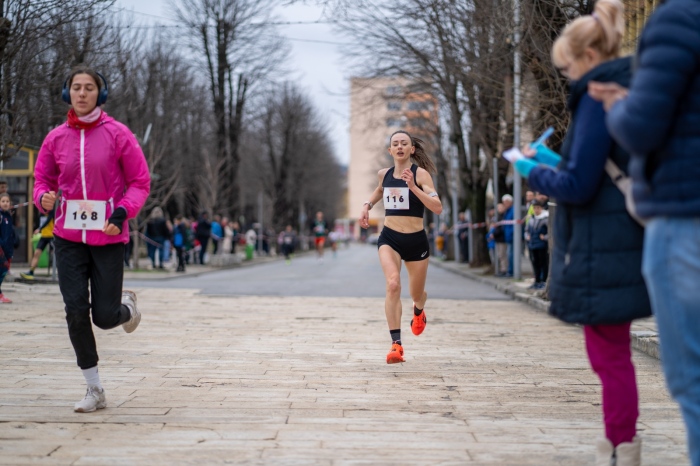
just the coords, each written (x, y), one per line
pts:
(45, 229)
(203, 234)
(237, 236)
(529, 200)
(129, 247)
(508, 229)
(499, 237)
(536, 236)
(658, 122)
(156, 233)
(490, 240)
(217, 233)
(227, 242)
(441, 241)
(463, 232)
(7, 240)
(543, 199)
(180, 241)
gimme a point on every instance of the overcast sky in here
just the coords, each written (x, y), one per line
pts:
(315, 61)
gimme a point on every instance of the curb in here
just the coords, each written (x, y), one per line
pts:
(643, 341)
(131, 275)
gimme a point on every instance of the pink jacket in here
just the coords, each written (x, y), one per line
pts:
(104, 163)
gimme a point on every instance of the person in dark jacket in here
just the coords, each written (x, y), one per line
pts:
(7, 240)
(596, 275)
(180, 241)
(203, 234)
(536, 235)
(509, 230)
(499, 238)
(157, 232)
(658, 122)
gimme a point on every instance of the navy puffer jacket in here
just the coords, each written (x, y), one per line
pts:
(597, 255)
(659, 122)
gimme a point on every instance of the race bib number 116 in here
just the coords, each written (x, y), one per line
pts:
(396, 198)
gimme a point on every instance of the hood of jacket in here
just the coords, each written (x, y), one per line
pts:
(618, 71)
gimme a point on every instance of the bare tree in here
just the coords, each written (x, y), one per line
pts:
(27, 31)
(296, 166)
(239, 47)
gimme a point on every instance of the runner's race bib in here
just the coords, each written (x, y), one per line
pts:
(396, 198)
(85, 215)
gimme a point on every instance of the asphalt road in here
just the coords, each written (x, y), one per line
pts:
(354, 271)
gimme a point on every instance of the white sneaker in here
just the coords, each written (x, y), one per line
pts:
(129, 300)
(94, 400)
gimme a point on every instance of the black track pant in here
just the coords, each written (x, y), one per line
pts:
(102, 267)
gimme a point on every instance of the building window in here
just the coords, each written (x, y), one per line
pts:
(393, 90)
(393, 105)
(419, 106)
(418, 122)
(393, 122)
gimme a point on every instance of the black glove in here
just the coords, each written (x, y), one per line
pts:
(118, 218)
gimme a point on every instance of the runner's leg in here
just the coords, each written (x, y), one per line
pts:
(391, 265)
(417, 274)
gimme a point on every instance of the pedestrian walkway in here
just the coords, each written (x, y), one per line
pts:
(644, 333)
(283, 380)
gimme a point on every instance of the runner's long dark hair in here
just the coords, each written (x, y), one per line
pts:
(419, 156)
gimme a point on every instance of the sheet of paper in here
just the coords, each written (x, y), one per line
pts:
(513, 155)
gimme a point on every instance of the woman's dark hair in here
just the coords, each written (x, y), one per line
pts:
(84, 69)
(421, 158)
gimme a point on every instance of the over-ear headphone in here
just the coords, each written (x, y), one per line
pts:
(101, 97)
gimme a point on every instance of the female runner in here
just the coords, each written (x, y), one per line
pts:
(93, 167)
(406, 190)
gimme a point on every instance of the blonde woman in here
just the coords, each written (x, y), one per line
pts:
(596, 277)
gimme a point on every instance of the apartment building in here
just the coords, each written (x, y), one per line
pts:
(378, 108)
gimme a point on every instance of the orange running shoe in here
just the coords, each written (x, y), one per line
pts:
(395, 355)
(418, 322)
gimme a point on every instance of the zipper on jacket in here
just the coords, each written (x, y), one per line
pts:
(82, 173)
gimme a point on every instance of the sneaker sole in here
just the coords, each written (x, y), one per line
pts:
(394, 359)
(134, 322)
(99, 406)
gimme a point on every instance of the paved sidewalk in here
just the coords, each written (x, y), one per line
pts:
(252, 380)
(644, 334)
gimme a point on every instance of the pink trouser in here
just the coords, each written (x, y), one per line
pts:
(610, 355)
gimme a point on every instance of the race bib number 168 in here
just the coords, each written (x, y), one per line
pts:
(85, 215)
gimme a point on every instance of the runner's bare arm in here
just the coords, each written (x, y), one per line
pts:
(375, 197)
(428, 194)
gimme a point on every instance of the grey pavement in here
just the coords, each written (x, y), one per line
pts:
(644, 333)
(217, 376)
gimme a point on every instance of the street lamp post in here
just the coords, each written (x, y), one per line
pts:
(455, 207)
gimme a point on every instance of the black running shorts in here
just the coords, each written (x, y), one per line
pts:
(43, 242)
(410, 246)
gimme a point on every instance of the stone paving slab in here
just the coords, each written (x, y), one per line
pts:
(644, 333)
(259, 380)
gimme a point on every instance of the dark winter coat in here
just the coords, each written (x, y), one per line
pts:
(597, 258)
(535, 227)
(7, 234)
(659, 122)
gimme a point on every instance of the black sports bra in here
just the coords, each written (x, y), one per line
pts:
(398, 199)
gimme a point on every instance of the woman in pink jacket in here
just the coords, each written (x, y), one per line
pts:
(93, 171)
